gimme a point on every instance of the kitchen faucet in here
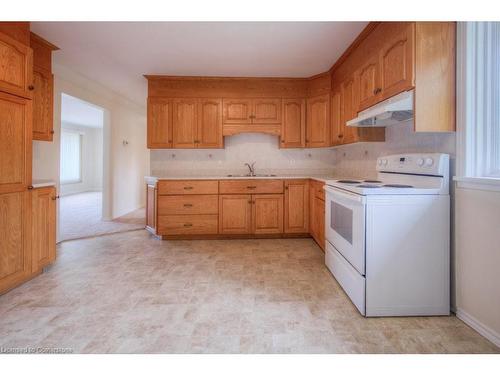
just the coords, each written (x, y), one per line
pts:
(251, 169)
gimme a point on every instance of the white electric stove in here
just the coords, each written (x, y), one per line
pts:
(387, 240)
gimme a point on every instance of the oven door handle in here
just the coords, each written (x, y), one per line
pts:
(342, 194)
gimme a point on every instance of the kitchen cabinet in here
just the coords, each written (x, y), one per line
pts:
(43, 227)
(251, 186)
(235, 214)
(267, 213)
(266, 111)
(237, 111)
(318, 121)
(370, 91)
(159, 123)
(16, 67)
(187, 224)
(349, 105)
(184, 123)
(181, 187)
(293, 127)
(43, 91)
(317, 213)
(336, 131)
(151, 202)
(296, 206)
(244, 115)
(209, 131)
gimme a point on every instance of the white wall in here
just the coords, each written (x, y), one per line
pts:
(239, 149)
(124, 166)
(92, 160)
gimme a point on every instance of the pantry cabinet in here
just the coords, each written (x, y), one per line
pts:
(318, 121)
(296, 202)
(43, 227)
(293, 127)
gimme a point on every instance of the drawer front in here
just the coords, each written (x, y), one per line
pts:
(182, 187)
(319, 192)
(188, 205)
(187, 224)
(251, 186)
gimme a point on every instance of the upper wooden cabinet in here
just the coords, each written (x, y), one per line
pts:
(262, 115)
(184, 123)
(43, 227)
(16, 62)
(266, 111)
(318, 121)
(43, 92)
(336, 132)
(349, 102)
(159, 123)
(237, 111)
(396, 63)
(293, 127)
(209, 132)
(369, 82)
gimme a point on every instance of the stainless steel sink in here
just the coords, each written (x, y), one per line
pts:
(250, 176)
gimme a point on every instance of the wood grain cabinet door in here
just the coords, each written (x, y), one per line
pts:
(43, 101)
(349, 105)
(209, 133)
(370, 90)
(266, 111)
(397, 63)
(15, 143)
(293, 126)
(318, 121)
(296, 206)
(44, 227)
(184, 123)
(237, 111)
(235, 214)
(336, 133)
(319, 212)
(267, 213)
(15, 225)
(16, 67)
(159, 123)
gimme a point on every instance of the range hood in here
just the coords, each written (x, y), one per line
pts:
(392, 111)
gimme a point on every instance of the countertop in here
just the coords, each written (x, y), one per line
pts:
(42, 183)
(153, 179)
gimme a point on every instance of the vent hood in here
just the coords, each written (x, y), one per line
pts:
(392, 111)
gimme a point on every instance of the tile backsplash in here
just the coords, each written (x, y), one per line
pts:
(354, 160)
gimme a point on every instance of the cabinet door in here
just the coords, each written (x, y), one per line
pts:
(237, 111)
(43, 95)
(319, 213)
(370, 91)
(16, 67)
(318, 121)
(396, 63)
(151, 207)
(266, 111)
(313, 223)
(184, 123)
(235, 214)
(293, 127)
(349, 109)
(15, 143)
(44, 227)
(209, 133)
(267, 213)
(159, 123)
(15, 254)
(296, 206)
(336, 118)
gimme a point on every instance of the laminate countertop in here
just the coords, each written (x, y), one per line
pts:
(151, 180)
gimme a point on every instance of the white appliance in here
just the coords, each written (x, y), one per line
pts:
(392, 111)
(388, 240)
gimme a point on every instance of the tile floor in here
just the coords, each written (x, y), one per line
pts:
(131, 293)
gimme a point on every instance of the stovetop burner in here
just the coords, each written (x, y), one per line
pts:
(367, 186)
(349, 181)
(398, 186)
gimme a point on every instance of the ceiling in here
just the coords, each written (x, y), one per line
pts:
(79, 112)
(118, 54)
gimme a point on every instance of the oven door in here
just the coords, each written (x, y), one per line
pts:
(345, 225)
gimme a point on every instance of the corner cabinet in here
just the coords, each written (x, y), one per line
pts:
(318, 121)
(44, 227)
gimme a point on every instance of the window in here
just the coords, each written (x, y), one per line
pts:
(71, 150)
(479, 100)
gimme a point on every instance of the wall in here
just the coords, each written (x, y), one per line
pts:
(124, 166)
(477, 260)
(92, 160)
(239, 149)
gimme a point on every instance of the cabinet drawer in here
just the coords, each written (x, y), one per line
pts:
(188, 187)
(188, 204)
(319, 192)
(187, 224)
(251, 187)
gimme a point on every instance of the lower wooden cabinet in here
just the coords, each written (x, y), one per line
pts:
(317, 213)
(235, 214)
(151, 208)
(43, 227)
(187, 224)
(15, 252)
(296, 217)
(267, 213)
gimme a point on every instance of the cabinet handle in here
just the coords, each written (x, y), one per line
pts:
(188, 188)
(30, 187)
(187, 225)
(251, 187)
(52, 132)
(286, 187)
(341, 135)
(377, 90)
(31, 87)
(188, 205)
(56, 197)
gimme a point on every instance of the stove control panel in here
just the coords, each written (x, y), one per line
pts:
(421, 164)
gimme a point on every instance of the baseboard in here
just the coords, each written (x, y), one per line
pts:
(483, 330)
